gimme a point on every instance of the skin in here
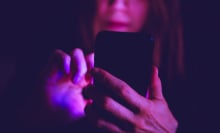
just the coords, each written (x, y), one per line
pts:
(146, 114)
(64, 80)
(69, 74)
(120, 15)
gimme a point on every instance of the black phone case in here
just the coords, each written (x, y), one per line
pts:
(127, 56)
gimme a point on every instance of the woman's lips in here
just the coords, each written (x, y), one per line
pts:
(113, 25)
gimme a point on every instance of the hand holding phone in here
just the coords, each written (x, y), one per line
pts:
(116, 107)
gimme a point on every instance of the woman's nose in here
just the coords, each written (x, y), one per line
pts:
(118, 4)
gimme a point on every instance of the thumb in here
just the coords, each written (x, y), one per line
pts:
(155, 87)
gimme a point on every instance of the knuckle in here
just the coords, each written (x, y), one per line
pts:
(123, 89)
(106, 103)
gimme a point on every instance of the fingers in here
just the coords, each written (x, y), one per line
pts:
(110, 105)
(119, 87)
(90, 65)
(99, 122)
(59, 62)
(108, 127)
(74, 65)
(155, 87)
(78, 65)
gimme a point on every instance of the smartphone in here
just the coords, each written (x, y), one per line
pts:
(126, 55)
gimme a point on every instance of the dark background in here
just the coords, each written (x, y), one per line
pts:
(28, 26)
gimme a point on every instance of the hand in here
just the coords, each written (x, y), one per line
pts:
(139, 115)
(64, 79)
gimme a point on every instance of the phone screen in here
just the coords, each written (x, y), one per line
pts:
(128, 56)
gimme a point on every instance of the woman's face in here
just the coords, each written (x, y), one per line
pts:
(120, 15)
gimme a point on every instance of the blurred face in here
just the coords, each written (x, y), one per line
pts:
(120, 15)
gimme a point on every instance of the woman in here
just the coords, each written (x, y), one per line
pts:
(65, 89)
(67, 75)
